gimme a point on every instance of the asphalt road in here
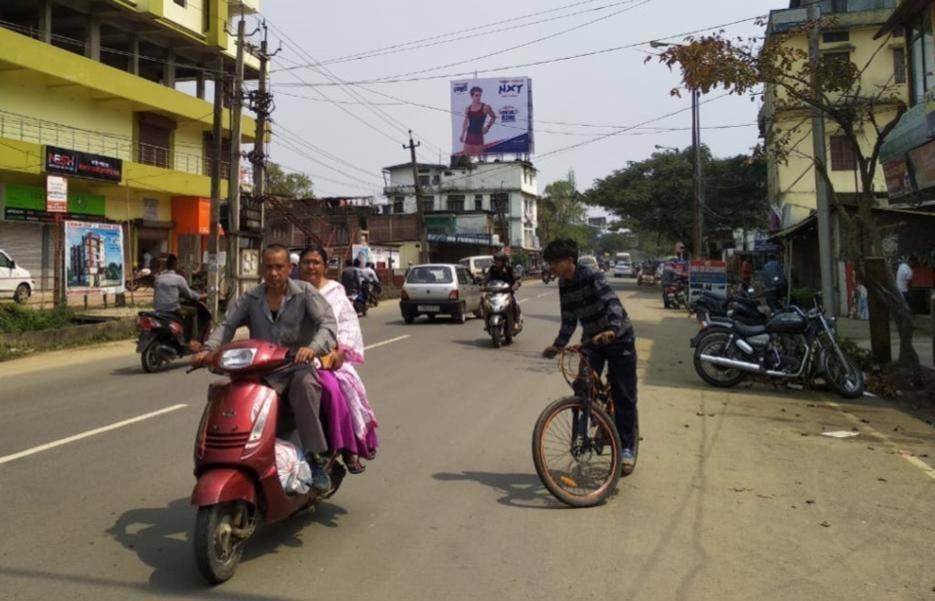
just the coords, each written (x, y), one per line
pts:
(736, 496)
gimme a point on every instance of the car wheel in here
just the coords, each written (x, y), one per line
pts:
(22, 293)
(460, 316)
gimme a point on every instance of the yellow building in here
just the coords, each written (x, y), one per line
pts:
(848, 32)
(117, 87)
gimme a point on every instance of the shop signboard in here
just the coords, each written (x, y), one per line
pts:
(923, 165)
(94, 258)
(491, 116)
(28, 203)
(85, 165)
(896, 171)
(56, 194)
(480, 239)
(707, 276)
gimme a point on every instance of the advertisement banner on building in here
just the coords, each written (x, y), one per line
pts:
(707, 276)
(82, 164)
(491, 116)
(94, 258)
(923, 165)
(898, 182)
(56, 194)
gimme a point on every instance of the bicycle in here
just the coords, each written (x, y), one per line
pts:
(575, 444)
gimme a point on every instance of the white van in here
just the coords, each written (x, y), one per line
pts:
(624, 266)
(477, 265)
(14, 281)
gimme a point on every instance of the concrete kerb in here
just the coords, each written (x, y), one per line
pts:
(42, 340)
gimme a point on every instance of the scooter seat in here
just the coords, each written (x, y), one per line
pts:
(745, 330)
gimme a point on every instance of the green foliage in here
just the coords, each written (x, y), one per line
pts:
(293, 185)
(16, 318)
(654, 196)
(614, 242)
(803, 297)
(562, 214)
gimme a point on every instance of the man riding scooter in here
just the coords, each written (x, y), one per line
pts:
(501, 271)
(168, 290)
(290, 313)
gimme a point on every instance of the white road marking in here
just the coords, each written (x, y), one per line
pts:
(912, 459)
(523, 300)
(89, 433)
(545, 294)
(385, 342)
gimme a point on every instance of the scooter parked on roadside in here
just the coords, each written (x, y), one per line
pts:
(164, 337)
(235, 457)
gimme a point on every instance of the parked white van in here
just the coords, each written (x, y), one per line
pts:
(14, 281)
(477, 265)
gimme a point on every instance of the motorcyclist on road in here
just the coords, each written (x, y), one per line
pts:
(168, 289)
(372, 284)
(501, 271)
(291, 313)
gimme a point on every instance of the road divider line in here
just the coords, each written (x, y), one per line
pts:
(523, 300)
(385, 342)
(549, 293)
(89, 433)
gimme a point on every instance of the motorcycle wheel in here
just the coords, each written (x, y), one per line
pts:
(217, 549)
(713, 344)
(848, 380)
(496, 337)
(150, 360)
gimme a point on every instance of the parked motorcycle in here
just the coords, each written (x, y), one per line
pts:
(235, 458)
(742, 307)
(164, 337)
(498, 313)
(141, 278)
(793, 345)
(676, 294)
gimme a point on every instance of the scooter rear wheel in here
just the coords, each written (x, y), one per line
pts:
(150, 360)
(217, 548)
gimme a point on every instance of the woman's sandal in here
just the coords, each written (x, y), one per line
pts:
(353, 463)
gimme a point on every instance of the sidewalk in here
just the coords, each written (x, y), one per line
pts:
(859, 331)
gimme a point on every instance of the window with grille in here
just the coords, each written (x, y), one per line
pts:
(456, 203)
(424, 180)
(428, 204)
(500, 203)
(829, 37)
(899, 65)
(842, 155)
(842, 58)
(838, 6)
(478, 202)
(399, 204)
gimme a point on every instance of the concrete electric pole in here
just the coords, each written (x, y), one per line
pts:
(825, 251)
(215, 153)
(423, 235)
(233, 176)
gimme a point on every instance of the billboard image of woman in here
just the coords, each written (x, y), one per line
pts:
(478, 119)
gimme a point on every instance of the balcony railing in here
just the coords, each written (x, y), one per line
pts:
(29, 129)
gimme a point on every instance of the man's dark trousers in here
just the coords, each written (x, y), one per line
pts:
(620, 359)
(301, 389)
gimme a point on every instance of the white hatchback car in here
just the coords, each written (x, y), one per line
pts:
(14, 281)
(439, 289)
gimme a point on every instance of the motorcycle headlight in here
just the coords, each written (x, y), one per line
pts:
(237, 358)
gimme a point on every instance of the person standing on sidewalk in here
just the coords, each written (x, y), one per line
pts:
(904, 276)
(585, 296)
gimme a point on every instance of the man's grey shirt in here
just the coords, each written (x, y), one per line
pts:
(167, 288)
(304, 319)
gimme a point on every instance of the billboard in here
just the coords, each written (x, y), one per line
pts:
(491, 116)
(93, 257)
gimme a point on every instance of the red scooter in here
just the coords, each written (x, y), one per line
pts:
(235, 457)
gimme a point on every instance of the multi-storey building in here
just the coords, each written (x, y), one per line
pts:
(496, 200)
(848, 31)
(118, 88)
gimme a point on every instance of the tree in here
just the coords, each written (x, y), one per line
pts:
(293, 185)
(561, 213)
(834, 88)
(654, 196)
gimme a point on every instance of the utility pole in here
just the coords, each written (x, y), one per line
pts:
(216, 146)
(698, 192)
(233, 176)
(423, 235)
(825, 258)
(261, 103)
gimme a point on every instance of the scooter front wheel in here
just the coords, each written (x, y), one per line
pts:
(220, 533)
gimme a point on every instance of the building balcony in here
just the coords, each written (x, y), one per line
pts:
(846, 13)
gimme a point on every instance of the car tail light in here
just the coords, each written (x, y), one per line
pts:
(453, 295)
(176, 327)
(403, 294)
(147, 323)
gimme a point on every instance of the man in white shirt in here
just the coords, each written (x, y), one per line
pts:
(904, 276)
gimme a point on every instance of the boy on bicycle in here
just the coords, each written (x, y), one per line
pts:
(585, 296)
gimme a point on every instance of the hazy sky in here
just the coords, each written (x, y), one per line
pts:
(613, 89)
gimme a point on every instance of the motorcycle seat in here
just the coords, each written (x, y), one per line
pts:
(745, 330)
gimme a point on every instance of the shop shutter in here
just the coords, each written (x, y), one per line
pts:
(23, 242)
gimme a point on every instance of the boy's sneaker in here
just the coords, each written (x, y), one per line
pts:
(627, 461)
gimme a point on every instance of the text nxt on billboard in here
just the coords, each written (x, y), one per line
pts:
(491, 116)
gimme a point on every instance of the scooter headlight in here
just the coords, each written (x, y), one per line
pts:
(237, 358)
(259, 413)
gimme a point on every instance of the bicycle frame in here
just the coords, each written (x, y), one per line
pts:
(587, 384)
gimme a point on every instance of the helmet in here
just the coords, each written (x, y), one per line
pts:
(500, 256)
(294, 258)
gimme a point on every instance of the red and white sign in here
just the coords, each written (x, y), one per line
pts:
(56, 194)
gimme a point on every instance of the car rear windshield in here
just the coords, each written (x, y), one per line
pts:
(483, 263)
(430, 275)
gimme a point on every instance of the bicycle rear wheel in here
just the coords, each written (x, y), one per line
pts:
(576, 450)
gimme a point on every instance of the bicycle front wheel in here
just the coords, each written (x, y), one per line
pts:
(576, 450)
